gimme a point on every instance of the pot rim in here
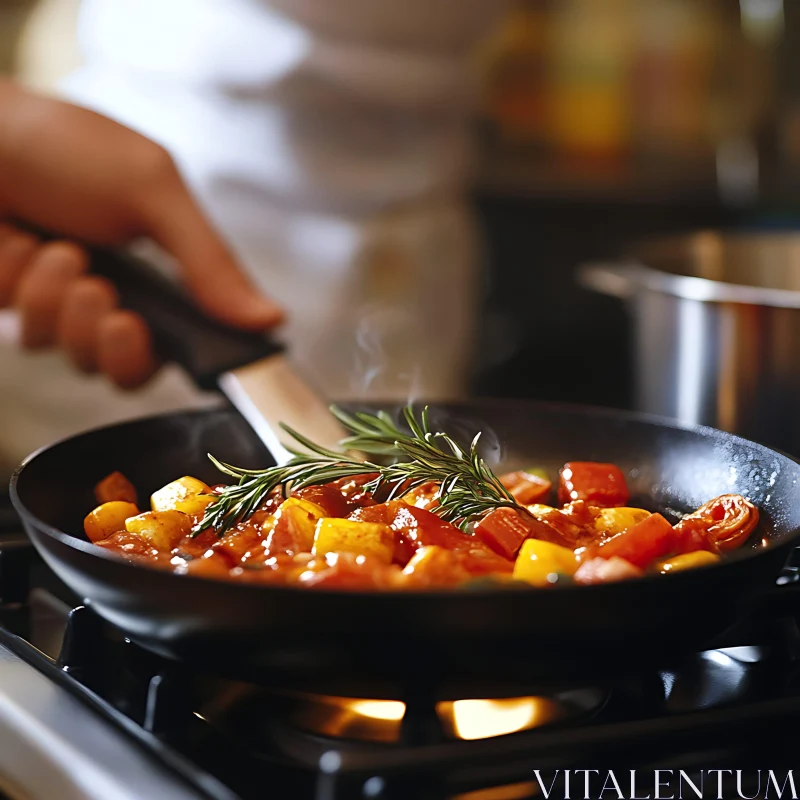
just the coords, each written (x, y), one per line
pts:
(626, 279)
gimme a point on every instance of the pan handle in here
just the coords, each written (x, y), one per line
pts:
(181, 331)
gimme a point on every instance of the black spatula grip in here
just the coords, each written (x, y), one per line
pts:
(182, 333)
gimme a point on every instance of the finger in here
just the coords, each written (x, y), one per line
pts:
(124, 350)
(16, 251)
(211, 273)
(86, 303)
(5, 231)
(42, 289)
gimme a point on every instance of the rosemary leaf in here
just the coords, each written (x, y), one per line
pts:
(467, 486)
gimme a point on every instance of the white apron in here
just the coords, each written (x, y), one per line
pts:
(329, 142)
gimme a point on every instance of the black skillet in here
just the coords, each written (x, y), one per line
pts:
(379, 644)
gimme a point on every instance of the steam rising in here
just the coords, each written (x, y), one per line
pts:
(389, 366)
(463, 428)
(386, 366)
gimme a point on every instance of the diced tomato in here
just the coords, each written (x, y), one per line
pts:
(598, 484)
(425, 528)
(423, 496)
(483, 561)
(526, 488)
(581, 513)
(245, 544)
(212, 566)
(348, 571)
(135, 548)
(435, 566)
(415, 527)
(276, 571)
(326, 497)
(418, 526)
(353, 489)
(198, 545)
(281, 540)
(383, 513)
(404, 549)
(691, 534)
(727, 520)
(606, 570)
(565, 531)
(641, 544)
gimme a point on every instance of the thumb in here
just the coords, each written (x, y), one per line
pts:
(208, 269)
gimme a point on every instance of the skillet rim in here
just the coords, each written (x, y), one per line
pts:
(597, 412)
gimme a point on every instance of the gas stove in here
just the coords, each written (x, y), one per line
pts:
(86, 713)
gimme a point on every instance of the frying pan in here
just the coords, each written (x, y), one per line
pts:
(390, 644)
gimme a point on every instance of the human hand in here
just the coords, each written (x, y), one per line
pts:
(91, 180)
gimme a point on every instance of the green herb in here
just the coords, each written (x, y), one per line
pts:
(467, 486)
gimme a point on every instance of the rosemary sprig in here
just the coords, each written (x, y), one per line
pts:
(467, 486)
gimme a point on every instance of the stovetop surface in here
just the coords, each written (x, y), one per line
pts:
(734, 707)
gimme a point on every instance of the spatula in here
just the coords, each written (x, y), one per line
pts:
(250, 369)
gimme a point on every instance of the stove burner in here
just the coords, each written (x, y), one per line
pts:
(388, 721)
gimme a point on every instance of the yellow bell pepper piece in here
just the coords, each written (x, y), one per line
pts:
(185, 494)
(350, 536)
(537, 560)
(163, 529)
(612, 521)
(108, 518)
(700, 558)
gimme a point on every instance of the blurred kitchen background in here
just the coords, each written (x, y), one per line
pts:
(602, 121)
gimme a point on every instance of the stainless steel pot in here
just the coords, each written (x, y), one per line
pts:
(717, 330)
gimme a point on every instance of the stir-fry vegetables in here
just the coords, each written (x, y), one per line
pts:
(445, 521)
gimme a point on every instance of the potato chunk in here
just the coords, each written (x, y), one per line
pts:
(115, 487)
(293, 526)
(349, 536)
(108, 518)
(163, 529)
(185, 494)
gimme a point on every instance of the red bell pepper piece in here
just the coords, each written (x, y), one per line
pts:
(641, 544)
(526, 488)
(505, 529)
(598, 484)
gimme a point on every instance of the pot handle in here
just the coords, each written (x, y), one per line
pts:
(610, 278)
